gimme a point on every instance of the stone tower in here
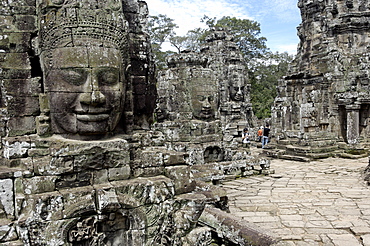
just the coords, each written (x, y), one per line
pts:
(324, 100)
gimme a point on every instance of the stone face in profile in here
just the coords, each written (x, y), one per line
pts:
(86, 89)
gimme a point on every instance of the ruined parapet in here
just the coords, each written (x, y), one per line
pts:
(325, 96)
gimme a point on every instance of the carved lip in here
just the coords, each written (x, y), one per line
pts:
(237, 97)
(206, 113)
(92, 115)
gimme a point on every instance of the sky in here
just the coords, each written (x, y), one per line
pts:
(278, 18)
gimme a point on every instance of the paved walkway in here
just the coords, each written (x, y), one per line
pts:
(323, 202)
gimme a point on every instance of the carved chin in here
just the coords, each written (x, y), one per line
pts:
(206, 115)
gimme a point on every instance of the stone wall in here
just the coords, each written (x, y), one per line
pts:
(325, 97)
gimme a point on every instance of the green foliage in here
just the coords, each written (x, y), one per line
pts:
(161, 29)
(245, 32)
(264, 77)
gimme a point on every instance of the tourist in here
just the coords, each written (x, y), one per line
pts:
(245, 138)
(260, 134)
(265, 138)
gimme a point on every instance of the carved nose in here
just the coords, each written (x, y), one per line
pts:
(92, 98)
(206, 104)
(92, 94)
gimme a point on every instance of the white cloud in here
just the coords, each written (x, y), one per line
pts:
(278, 18)
(290, 48)
(188, 13)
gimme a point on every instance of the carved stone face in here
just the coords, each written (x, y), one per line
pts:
(236, 86)
(86, 90)
(204, 102)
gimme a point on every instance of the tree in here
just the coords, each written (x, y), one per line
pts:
(161, 29)
(191, 41)
(245, 32)
(264, 77)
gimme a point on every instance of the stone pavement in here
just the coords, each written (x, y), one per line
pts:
(324, 202)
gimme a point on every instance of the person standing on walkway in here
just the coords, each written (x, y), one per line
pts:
(245, 138)
(260, 134)
(265, 138)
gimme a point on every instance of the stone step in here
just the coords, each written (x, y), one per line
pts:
(321, 155)
(295, 158)
(351, 156)
(309, 150)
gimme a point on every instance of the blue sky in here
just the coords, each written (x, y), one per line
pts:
(278, 18)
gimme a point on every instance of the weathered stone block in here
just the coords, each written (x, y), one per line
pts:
(182, 177)
(7, 197)
(24, 106)
(41, 207)
(78, 201)
(100, 176)
(16, 147)
(48, 165)
(174, 158)
(148, 171)
(37, 152)
(150, 158)
(25, 166)
(22, 87)
(6, 23)
(190, 207)
(7, 231)
(119, 173)
(146, 190)
(15, 60)
(19, 126)
(10, 73)
(15, 42)
(25, 22)
(34, 185)
(71, 180)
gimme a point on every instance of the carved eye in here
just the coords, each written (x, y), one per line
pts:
(210, 98)
(108, 76)
(201, 98)
(74, 76)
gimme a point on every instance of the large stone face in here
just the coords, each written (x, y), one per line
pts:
(326, 94)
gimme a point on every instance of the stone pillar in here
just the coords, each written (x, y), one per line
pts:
(353, 123)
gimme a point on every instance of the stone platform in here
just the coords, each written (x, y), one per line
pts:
(324, 202)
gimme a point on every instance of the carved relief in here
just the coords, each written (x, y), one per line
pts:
(237, 82)
(204, 95)
(84, 58)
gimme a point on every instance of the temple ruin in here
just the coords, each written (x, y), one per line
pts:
(82, 163)
(322, 107)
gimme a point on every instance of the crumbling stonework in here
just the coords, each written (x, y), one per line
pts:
(323, 103)
(204, 105)
(79, 165)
